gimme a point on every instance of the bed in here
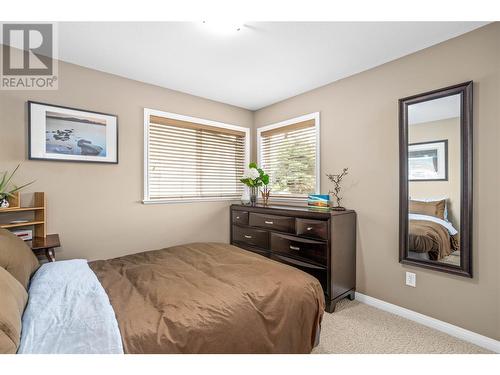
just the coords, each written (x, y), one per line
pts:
(195, 298)
(431, 236)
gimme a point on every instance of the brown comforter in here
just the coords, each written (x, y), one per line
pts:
(432, 238)
(211, 298)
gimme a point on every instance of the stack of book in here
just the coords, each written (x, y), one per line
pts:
(318, 202)
(25, 234)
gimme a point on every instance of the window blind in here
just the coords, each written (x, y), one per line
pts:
(288, 155)
(191, 160)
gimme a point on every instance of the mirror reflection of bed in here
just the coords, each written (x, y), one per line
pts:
(434, 180)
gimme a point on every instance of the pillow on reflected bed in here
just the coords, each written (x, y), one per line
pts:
(435, 199)
(13, 298)
(17, 258)
(431, 208)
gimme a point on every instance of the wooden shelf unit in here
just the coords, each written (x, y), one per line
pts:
(23, 224)
(15, 201)
(20, 209)
(39, 218)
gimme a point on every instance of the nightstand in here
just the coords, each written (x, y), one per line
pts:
(45, 245)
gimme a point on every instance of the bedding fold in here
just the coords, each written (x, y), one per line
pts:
(426, 236)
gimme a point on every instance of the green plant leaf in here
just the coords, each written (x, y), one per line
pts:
(252, 165)
(265, 179)
(16, 188)
(12, 175)
(4, 183)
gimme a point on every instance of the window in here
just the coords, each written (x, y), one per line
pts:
(289, 153)
(189, 158)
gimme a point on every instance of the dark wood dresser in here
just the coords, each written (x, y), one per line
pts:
(322, 244)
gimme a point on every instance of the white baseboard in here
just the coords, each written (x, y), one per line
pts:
(450, 329)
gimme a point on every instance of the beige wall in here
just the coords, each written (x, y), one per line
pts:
(448, 129)
(359, 130)
(95, 207)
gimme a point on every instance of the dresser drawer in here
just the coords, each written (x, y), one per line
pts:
(312, 228)
(239, 217)
(279, 223)
(251, 236)
(315, 251)
(318, 272)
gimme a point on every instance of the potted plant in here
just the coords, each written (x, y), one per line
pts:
(8, 189)
(254, 177)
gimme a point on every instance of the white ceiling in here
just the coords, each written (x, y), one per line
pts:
(434, 110)
(261, 64)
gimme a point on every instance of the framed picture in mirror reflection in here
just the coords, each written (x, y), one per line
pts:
(428, 161)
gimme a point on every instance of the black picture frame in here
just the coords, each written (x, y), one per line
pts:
(39, 155)
(445, 145)
(465, 90)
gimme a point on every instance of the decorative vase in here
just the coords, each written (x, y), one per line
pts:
(4, 203)
(254, 190)
(245, 196)
(265, 195)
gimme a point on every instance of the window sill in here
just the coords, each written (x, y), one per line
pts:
(275, 200)
(189, 200)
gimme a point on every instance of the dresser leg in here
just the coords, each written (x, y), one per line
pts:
(330, 306)
(352, 295)
(49, 254)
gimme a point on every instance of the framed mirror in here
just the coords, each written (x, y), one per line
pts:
(435, 151)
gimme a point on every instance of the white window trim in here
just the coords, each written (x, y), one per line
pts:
(311, 116)
(153, 112)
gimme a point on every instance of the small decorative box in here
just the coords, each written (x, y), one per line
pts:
(318, 201)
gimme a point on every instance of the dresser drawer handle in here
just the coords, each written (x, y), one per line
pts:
(309, 228)
(237, 218)
(269, 222)
(247, 236)
(294, 248)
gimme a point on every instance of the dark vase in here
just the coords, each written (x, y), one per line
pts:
(254, 190)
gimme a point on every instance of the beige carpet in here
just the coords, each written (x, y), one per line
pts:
(358, 328)
(453, 258)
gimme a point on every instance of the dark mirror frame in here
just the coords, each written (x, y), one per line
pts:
(465, 90)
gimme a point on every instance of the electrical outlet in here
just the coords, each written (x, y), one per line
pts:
(411, 279)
